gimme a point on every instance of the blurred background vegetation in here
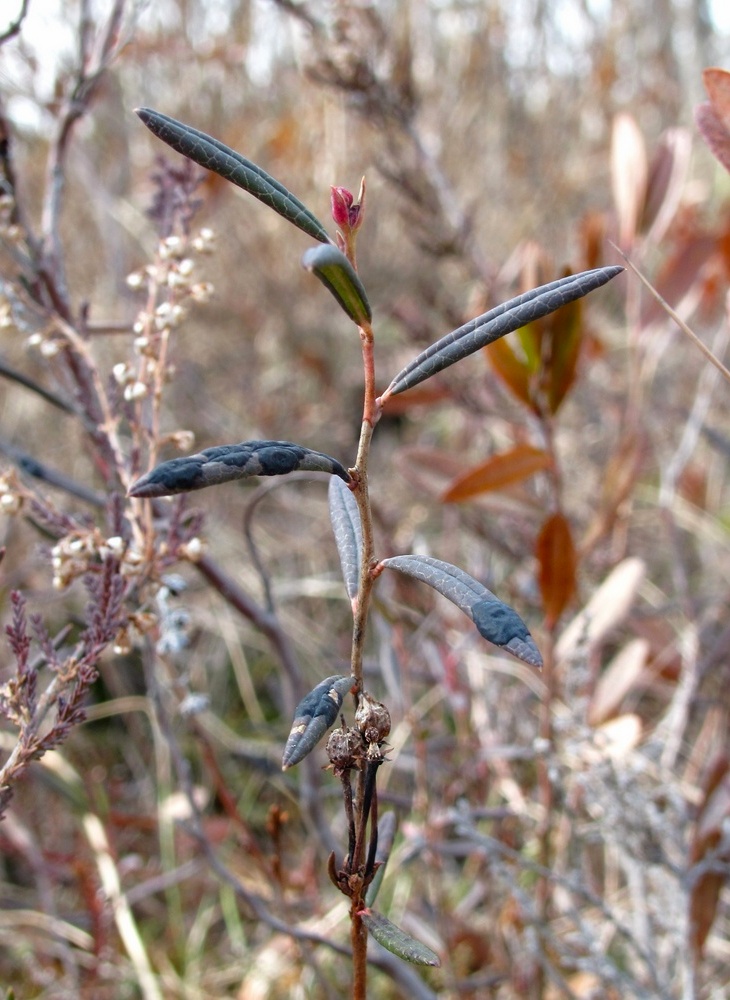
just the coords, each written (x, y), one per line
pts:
(542, 853)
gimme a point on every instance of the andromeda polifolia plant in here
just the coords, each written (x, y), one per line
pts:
(357, 751)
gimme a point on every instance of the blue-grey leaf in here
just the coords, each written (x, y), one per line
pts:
(213, 155)
(347, 527)
(337, 274)
(503, 319)
(233, 461)
(494, 620)
(396, 941)
(314, 715)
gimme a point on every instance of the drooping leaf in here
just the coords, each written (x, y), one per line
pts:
(497, 472)
(667, 175)
(712, 818)
(714, 131)
(314, 715)
(338, 275)
(566, 337)
(717, 85)
(221, 159)
(557, 564)
(396, 941)
(346, 524)
(387, 826)
(233, 461)
(485, 329)
(494, 619)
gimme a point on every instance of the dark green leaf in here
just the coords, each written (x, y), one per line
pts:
(494, 619)
(396, 941)
(233, 461)
(221, 159)
(338, 275)
(314, 715)
(496, 323)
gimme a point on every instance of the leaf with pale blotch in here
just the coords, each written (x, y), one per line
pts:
(396, 941)
(513, 371)
(338, 275)
(222, 160)
(494, 619)
(485, 329)
(347, 526)
(233, 461)
(314, 715)
(498, 472)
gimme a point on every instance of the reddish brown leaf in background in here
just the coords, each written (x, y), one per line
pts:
(419, 395)
(512, 370)
(505, 469)
(667, 176)
(714, 132)
(713, 813)
(717, 85)
(557, 564)
(629, 172)
(678, 275)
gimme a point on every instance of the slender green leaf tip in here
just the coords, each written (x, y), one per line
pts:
(213, 155)
(338, 275)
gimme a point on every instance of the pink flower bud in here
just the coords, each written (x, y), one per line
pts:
(341, 201)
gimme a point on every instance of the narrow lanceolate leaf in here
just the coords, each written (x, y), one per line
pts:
(494, 619)
(338, 275)
(314, 715)
(557, 563)
(346, 524)
(396, 941)
(221, 159)
(233, 461)
(498, 472)
(485, 329)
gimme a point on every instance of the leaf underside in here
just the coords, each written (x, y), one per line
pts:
(214, 155)
(396, 941)
(503, 319)
(338, 275)
(313, 716)
(233, 461)
(347, 528)
(494, 620)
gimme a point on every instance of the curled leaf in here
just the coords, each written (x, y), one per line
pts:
(494, 619)
(314, 715)
(233, 461)
(396, 941)
(503, 319)
(346, 524)
(221, 159)
(338, 275)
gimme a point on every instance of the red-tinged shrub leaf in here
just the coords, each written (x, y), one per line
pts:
(498, 472)
(677, 276)
(629, 174)
(422, 395)
(557, 563)
(396, 941)
(667, 175)
(713, 814)
(715, 133)
(512, 370)
(717, 85)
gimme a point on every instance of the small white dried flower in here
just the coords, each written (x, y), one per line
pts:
(202, 292)
(186, 267)
(121, 373)
(49, 348)
(135, 279)
(10, 503)
(192, 550)
(170, 247)
(135, 390)
(35, 340)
